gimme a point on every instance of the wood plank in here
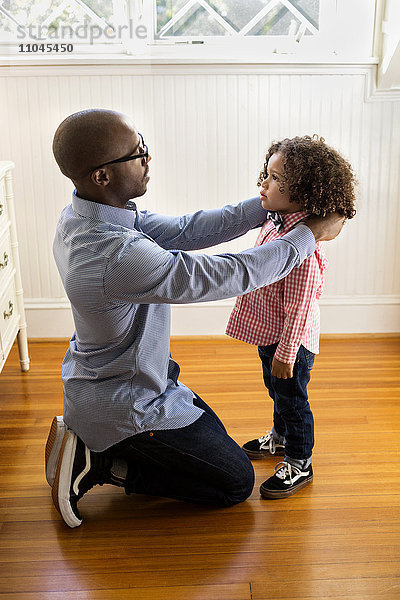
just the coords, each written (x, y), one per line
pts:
(199, 592)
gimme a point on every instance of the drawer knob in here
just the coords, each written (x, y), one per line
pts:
(7, 315)
(5, 261)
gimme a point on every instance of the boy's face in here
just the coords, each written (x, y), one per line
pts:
(275, 190)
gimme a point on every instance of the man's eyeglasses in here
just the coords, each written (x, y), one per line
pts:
(143, 155)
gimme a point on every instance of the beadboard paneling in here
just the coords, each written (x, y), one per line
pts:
(207, 133)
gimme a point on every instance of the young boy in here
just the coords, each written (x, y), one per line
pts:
(301, 176)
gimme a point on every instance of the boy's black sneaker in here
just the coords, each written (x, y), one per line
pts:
(286, 481)
(263, 446)
(78, 470)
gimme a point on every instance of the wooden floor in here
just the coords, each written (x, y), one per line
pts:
(338, 538)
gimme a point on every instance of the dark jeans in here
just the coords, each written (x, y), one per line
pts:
(198, 463)
(293, 418)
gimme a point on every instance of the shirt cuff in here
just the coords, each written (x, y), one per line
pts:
(286, 354)
(255, 213)
(302, 238)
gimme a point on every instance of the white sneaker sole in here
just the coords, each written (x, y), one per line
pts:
(280, 494)
(53, 447)
(62, 482)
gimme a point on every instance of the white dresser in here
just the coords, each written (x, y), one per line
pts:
(12, 314)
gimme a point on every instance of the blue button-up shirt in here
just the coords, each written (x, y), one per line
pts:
(121, 268)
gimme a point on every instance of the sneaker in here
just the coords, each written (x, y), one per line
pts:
(78, 470)
(264, 446)
(53, 447)
(286, 481)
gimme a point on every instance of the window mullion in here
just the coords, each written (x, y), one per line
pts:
(138, 13)
(100, 20)
(59, 9)
(119, 12)
(181, 13)
(217, 17)
(258, 17)
(300, 16)
(10, 17)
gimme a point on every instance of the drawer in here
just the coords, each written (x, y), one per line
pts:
(3, 204)
(6, 263)
(9, 316)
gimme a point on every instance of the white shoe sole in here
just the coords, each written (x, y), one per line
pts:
(53, 447)
(63, 479)
(275, 494)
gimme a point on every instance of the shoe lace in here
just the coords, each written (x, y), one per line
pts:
(267, 442)
(285, 470)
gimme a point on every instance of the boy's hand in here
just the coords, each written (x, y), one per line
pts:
(325, 228)
(281, 370)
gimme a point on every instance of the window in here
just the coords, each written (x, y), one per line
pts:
(238, 28)
(211, 18)
(212, 29)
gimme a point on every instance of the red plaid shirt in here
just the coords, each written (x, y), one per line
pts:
(287, 311)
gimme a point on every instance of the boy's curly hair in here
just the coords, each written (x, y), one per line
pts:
(317, 176)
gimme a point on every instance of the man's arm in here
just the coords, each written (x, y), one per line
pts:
(144, 273)
(204, 228)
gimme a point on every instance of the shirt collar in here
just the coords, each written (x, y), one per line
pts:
(103, 212)
(290, 219)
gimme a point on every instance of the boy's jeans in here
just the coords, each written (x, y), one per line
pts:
(198, 463)
(293, 418)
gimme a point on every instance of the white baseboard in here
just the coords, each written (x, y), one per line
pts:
(52, 318)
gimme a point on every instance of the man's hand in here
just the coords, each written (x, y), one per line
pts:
(325, 228)
(281, 370)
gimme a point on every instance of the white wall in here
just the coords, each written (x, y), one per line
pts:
(207, 128)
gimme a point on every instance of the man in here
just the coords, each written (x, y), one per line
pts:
(127, 419)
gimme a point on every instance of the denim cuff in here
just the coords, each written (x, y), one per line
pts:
(300, 463)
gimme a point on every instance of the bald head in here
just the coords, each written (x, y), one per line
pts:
(89, 138)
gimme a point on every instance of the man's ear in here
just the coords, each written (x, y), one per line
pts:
(100, 177)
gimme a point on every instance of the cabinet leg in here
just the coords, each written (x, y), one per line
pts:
(23, 349)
